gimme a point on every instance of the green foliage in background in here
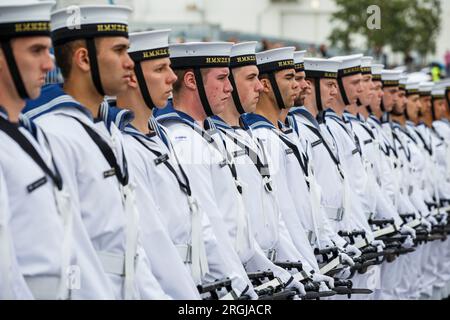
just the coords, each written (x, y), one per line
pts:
(406, 25)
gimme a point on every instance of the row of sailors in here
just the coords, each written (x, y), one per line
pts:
(259, 158)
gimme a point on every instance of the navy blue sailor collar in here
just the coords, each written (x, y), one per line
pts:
(375, 119)
(52, 98)
(169, 113)
(256, 121)
(217, 122)
(110, 114)
(330, 113)
(350, 117)
(304, 112)
(131, 130)
(361, 117)
(396, 125)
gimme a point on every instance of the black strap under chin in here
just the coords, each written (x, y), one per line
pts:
(235, 94)
(342, 90)
(95, 71)
(318, 95)
(447, 97)
(202, 92)
(143, 86)
(276, 90)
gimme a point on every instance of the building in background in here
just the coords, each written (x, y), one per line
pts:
(306, 22)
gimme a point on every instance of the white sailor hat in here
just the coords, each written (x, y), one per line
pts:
(243, 54)
(24, 18)
(275, 60)
(420, 76)
(391, 78)
(350, 65)
(425, 88)
(144, 46)
(402, 81)
(412, 85)
(91, 21)
(321, 68)
(438, 91)
(149, 45)
(200, 55)
(366, 65)
(299, 60)
(376, 71)
(403, 69)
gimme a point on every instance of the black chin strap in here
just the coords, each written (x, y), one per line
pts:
(318, 95)
(95, 72)
(14, 70)
(447, 92)
(235, 94)
(202, 93)
(143, 86)
(276, 90)
(342, 90)
(433, 112)
(358, 103)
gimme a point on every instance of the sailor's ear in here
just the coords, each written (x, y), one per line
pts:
(266, 85)
(189, 80)
(80, 59)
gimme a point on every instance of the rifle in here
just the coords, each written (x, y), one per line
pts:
(214, 287)
(257, 278)
(385, 227)
(345, 287)
(352, 237)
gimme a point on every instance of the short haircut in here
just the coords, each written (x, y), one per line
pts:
(64, 54)
(180, 73)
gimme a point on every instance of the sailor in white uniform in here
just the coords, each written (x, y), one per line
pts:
(89, 150)
(388, 175)
(324, 160)
(441, 128)
(12, 283)
(157, 165)
(433, 279)
(413, 164)
(350, 153)
(36, 215)
(202, 90)
(277, 72)
(268, 227)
